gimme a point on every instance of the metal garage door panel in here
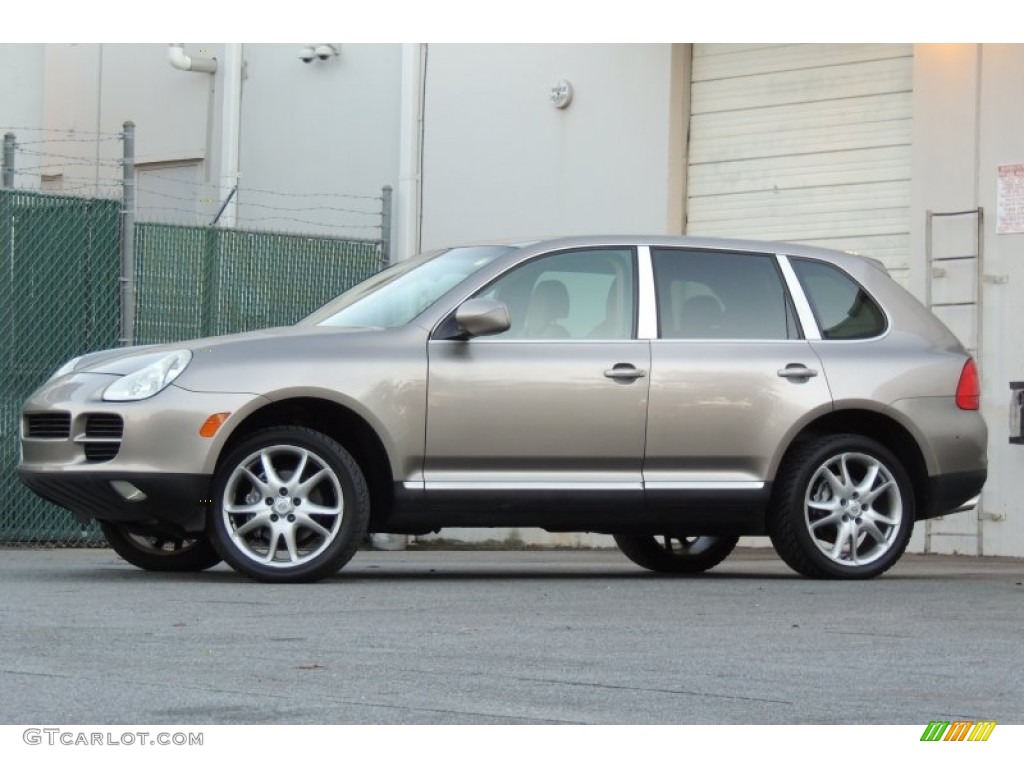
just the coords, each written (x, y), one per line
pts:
(806, 143)
(720, 61)
(816, 84)
(801, 171)
(864, 122)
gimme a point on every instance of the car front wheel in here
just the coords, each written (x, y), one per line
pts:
(153, 551)
(677, 554)
(843, 509)
(290, 505)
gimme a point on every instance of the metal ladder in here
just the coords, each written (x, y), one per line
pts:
(939, 268)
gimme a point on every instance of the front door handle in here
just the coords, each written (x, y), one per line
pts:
(797, 371)
(624, 372)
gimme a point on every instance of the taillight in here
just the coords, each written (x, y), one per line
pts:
(968, 389)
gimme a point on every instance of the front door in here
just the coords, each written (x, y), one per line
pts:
(545, 423)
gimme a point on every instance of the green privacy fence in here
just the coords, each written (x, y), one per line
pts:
(60, 297)
(204, 281)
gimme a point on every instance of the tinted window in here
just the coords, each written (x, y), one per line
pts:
(721, 295)
(574, 295)
(842, 308)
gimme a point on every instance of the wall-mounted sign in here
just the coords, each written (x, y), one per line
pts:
(1010, 199)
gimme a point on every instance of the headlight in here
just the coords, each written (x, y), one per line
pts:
(150, 380)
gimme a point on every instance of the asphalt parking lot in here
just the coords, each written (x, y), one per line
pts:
(509, 637)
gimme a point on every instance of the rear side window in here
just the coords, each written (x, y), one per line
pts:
(721, 295)
(842, 308)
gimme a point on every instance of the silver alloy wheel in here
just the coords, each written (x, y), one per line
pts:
(686, 546)
(853, 509)
(162, 545)
(282, 506)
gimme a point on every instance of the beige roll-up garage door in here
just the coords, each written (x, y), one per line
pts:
(803, 143)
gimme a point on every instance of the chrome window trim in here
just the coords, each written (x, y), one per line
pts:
(796, 291)
(647, 304)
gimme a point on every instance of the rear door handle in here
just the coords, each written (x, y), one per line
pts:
(624, 372)
(797, 371)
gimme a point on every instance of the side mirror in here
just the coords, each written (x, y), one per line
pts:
(482, 317)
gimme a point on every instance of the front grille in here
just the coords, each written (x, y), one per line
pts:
(101, 451)
(104, 425)
(56, 424)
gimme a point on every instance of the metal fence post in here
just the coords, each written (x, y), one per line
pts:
(385, 227)
(128, 238)
(8, 161)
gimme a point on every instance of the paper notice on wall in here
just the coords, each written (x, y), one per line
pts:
(1010, 199)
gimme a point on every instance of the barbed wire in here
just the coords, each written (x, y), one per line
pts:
(243, 188)
(51, 166)
(246, 204)
(72, 131)
(83, 179)
(93, 161)
(143, 213)
(313, 223)
(18, 143)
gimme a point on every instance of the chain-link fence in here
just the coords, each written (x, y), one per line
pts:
(60, 296)
(237, 280)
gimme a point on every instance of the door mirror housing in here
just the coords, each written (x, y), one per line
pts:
(482, 317)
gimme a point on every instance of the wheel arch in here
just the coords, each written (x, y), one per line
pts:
(338, 422)
(879, 427)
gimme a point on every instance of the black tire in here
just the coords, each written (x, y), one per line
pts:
(159, 552)
(677, 554)
(843, 508)
(290, 505)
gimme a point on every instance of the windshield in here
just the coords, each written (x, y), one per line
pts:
(398, 294)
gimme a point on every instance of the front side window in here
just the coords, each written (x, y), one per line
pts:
(721, 295)
(397, 295)
(586, 294)
(842, 308)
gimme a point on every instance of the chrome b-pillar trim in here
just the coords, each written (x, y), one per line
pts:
(647, 312)
(803, 307)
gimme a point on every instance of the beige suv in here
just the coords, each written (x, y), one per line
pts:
(676, 393)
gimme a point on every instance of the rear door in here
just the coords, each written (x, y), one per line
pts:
(732, 378)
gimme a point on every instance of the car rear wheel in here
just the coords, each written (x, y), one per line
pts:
(843, 509)
(160, 552)
(677, 554)
(290, 505)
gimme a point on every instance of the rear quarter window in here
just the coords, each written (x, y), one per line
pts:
(842, 308)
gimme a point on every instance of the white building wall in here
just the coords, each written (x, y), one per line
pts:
(500, 161)
(92, 89)
(319, 140)
(21, 107)
(967, 120)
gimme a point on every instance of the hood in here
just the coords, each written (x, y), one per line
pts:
(124, 360)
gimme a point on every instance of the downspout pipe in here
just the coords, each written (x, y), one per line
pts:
(179, 60)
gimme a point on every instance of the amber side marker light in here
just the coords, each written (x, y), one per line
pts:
(212, 424)
(968, 389)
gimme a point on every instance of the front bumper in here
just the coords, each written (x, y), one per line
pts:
(166, 501)
(155, 468)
